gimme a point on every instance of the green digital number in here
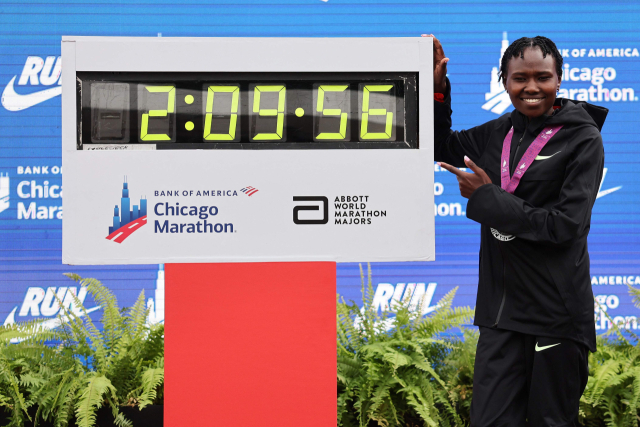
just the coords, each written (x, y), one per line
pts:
(279, 112)
(231, 135)
(332, 111)
(366, 112)
(144, 128)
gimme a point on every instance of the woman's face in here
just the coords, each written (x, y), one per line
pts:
(532, 82)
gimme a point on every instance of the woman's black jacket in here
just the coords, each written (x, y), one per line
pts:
(534, 264)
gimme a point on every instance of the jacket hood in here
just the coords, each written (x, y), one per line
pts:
(570, 113)
(579, 112)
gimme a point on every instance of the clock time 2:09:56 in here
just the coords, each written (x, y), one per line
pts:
(227, 112)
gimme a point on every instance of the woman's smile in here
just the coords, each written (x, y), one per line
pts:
(532, 100)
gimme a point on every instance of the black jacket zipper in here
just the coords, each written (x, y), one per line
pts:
(515, 155)
(504, 292)
(504, 260)
(504, 285)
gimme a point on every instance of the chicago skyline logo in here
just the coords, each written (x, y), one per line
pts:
(127, 219)
(249, 191)
(4, 192)
(497, 98)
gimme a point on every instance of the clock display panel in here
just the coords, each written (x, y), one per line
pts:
(249, 110)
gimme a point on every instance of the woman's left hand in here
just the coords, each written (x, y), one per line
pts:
(468, 182)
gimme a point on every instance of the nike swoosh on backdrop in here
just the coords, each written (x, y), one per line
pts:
(609, 191)
(545, 157)
(601, 192)
(546, 346)
(13, 101)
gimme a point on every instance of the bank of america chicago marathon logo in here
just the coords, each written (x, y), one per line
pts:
(127, 219)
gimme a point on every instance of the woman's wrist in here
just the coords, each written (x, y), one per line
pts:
(440, 88)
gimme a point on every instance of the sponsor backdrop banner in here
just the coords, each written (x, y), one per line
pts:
(599, 43)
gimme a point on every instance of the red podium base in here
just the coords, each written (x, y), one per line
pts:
(250, 344)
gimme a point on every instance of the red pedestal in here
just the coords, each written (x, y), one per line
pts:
(250, 345)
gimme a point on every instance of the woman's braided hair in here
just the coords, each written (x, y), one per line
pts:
(518, 47)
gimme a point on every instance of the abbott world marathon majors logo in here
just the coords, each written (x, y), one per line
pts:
(26, 91)
(347, 210)
(582, 83)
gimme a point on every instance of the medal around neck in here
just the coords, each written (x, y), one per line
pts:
(509, 183)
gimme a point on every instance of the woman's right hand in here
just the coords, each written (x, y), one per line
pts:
(439, 66)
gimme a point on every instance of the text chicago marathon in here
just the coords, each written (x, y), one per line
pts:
(201, 212)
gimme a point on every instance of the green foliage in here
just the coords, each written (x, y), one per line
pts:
(391, 365)
(458, 372)
(70, 372)
(635, 295)
(397, 368)
(612, 395)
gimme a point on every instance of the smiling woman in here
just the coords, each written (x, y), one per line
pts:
(531, 71)
(535, 304)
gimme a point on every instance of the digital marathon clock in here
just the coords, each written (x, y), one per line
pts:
(247, 149)
(249, 110)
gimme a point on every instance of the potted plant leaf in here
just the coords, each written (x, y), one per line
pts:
(77, 374)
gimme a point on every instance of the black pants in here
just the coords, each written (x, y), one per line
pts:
(520, 378)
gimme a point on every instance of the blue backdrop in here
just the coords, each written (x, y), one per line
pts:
(599, 41)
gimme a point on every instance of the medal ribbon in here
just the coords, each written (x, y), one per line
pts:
(510, 183)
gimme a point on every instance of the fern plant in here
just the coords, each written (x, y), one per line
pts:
(399, 371)
(458, 368)
(612, 395)
(390, 367)
(69, 373)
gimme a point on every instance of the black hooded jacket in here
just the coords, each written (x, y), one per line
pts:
(534, 265)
